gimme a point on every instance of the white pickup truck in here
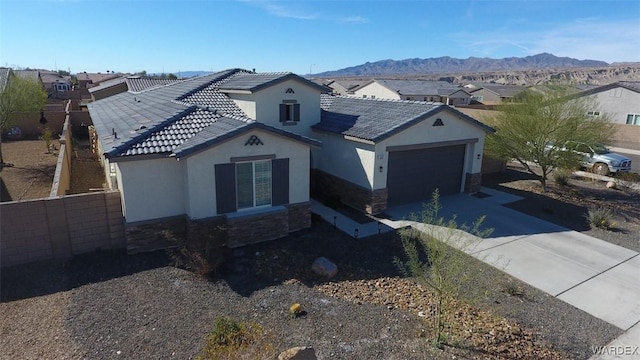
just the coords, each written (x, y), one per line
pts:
(599, 159)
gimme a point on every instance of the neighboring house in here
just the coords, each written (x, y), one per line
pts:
(344, 87)
(134, 83)
(494, 94)
(238, 148)
(88, 80)
(108, 88)
(54, 82)
(417, 90)
(30, 74)
(620, 101)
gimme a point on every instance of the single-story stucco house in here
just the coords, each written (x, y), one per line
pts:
(243, 149)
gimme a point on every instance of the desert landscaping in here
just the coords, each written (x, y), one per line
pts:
(109, 304)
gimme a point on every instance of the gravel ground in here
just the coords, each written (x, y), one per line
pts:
(109, 305)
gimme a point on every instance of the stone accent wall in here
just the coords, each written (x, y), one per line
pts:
(299, 216)
(210, 232)
(155, 235)
(378, 201)
(251, 229)
(473, 182)
(331, 190)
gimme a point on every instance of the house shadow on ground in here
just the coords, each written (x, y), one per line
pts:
(245, 270)
(52, 276)
(554, 206)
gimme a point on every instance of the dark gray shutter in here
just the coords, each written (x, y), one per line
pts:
(279, 181)
(283, 112)
(225, 188)
(296, 112)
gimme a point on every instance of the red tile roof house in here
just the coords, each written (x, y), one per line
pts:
(239, 148)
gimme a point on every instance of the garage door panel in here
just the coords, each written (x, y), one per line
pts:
(414, 174)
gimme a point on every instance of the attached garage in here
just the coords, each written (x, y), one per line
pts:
(415, 174)
(382, 153)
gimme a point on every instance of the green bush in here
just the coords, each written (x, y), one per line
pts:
(561, 177)
(601, 217)
(231, 339)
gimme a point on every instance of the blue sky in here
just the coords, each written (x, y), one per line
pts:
(305, 36)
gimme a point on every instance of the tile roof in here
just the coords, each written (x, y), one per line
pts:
(629, 85)
(4, 77)
(253, 82)
(96, 78)
(502, 90)
(178, 118)
(107, 84)
(377, 119)
(138, 84)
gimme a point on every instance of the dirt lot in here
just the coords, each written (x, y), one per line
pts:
(33, 168)
(31, 175)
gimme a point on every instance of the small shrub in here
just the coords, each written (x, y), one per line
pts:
(601, 217)
(513, 290)
(203, 259)
(231, 339)
(561, 177)
(47, 136)
(295, 310)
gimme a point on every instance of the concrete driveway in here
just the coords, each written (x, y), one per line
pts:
(593, 275)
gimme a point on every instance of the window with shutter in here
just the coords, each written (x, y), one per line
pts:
(253, 184)
(225, 188)
(289, 112)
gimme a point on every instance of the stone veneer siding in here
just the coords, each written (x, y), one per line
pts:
(254, 228)
(215, 232)
(155, 235)
(299, 216)
(331, 188)
(472, 183)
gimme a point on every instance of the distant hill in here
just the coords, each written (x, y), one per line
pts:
(446, 64)
(183, 74)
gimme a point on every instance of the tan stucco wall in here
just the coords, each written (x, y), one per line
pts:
(349, 160)
(377, 90)
(268, 106)
(200, 169)
(617, 103)
(151, 189)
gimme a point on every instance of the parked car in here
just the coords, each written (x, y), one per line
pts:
(599, 159)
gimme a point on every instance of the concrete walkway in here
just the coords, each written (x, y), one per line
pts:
(595, 276)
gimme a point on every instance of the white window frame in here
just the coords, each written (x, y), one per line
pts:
(633, 119)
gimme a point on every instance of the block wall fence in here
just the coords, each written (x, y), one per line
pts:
(57, 228)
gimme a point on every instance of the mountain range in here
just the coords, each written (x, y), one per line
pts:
(448, 64)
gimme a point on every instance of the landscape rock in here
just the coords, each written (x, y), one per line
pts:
(298, 353)
(612, 185)
(323, 266)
